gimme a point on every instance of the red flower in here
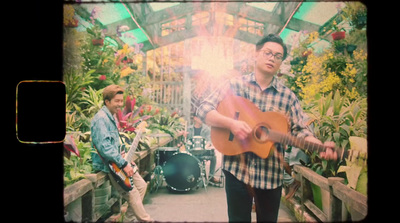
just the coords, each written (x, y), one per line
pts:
(174, 113)
(102, 77)
(129, 105)
(157, 111)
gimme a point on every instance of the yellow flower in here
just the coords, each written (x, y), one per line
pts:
(126, 71)
(353, 94)
(124, 50)
(359, 55)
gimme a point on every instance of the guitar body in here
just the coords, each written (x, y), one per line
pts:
(120, 177)
(261, 122)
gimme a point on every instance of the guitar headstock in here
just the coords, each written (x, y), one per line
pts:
(142, 125)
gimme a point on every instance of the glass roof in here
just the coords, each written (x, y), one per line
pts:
(267, 6)
(109, 13)
(162, 5)
(315, 13)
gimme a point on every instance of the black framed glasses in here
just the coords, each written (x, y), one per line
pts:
(267, 54)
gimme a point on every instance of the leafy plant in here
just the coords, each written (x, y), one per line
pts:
(76, 167)
(75, 84)
(170, 123)
(356, 165)
(127, 118)
(91, 101)
(336, 119)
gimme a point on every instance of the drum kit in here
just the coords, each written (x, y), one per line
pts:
(183, 170)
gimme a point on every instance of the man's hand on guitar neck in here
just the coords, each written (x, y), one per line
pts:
(128, 170)
(330, 153)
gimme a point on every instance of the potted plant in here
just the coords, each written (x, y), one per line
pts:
(339, 33)
(96, 31)
(356, 14)
(69, 19)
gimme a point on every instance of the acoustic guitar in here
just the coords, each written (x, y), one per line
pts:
(119, 175)
(267, 128)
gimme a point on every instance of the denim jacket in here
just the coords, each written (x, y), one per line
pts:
(105, 138)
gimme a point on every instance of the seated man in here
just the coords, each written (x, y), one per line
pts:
(105, 141)
(198, 129)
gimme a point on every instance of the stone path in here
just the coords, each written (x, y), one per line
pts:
(196, 206)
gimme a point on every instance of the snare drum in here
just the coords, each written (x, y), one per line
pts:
(198, 143)
(164, 153)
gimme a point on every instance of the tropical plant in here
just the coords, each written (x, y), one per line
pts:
(167, 122)
(91, 101)
(336, 118)
(356, 165)
(75, 84)
(128, 117)
(76, 167)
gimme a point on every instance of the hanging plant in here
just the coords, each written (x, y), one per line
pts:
(98, 42)
(338, 35)
(96, 31)
(338, 32)
(356, 14)
(69, 19)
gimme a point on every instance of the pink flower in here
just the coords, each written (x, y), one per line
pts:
(102, 77)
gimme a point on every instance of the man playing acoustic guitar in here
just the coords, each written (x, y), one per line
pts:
(105, 140)
(247, 175)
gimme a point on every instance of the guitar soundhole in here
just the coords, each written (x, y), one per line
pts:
(261, 133)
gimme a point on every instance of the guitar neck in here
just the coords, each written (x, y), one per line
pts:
(134, 145)
(299, 142)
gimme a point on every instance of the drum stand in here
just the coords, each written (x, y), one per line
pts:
(158, 175)
(204, 177)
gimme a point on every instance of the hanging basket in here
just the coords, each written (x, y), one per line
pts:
(338, 35)
(72, 24)
(98, 42)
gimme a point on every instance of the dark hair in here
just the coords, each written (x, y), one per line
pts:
(272, 38)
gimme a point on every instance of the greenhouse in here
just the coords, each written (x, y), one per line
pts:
(160, 71)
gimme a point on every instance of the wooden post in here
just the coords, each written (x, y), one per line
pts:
(88, 206)
(186, 79)
(334, 212)
(302, 190)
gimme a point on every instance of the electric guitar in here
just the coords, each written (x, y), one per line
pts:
(268, 128)
(119, 175)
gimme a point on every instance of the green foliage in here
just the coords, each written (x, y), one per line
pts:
(76, 167)
(91, 101)
(336, 119)
(166, 122)
(75, 83)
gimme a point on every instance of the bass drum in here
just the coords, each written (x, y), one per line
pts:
(182, 171)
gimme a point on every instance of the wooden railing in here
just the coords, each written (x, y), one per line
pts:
(81, 204)
(339, 197)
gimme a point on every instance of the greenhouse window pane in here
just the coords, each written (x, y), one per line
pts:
(267, 6)
(286, 35)
(137, 33)
(109, 13)
(317, 12)
(160, 6)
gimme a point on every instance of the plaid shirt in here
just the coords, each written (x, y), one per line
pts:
(248, 167)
